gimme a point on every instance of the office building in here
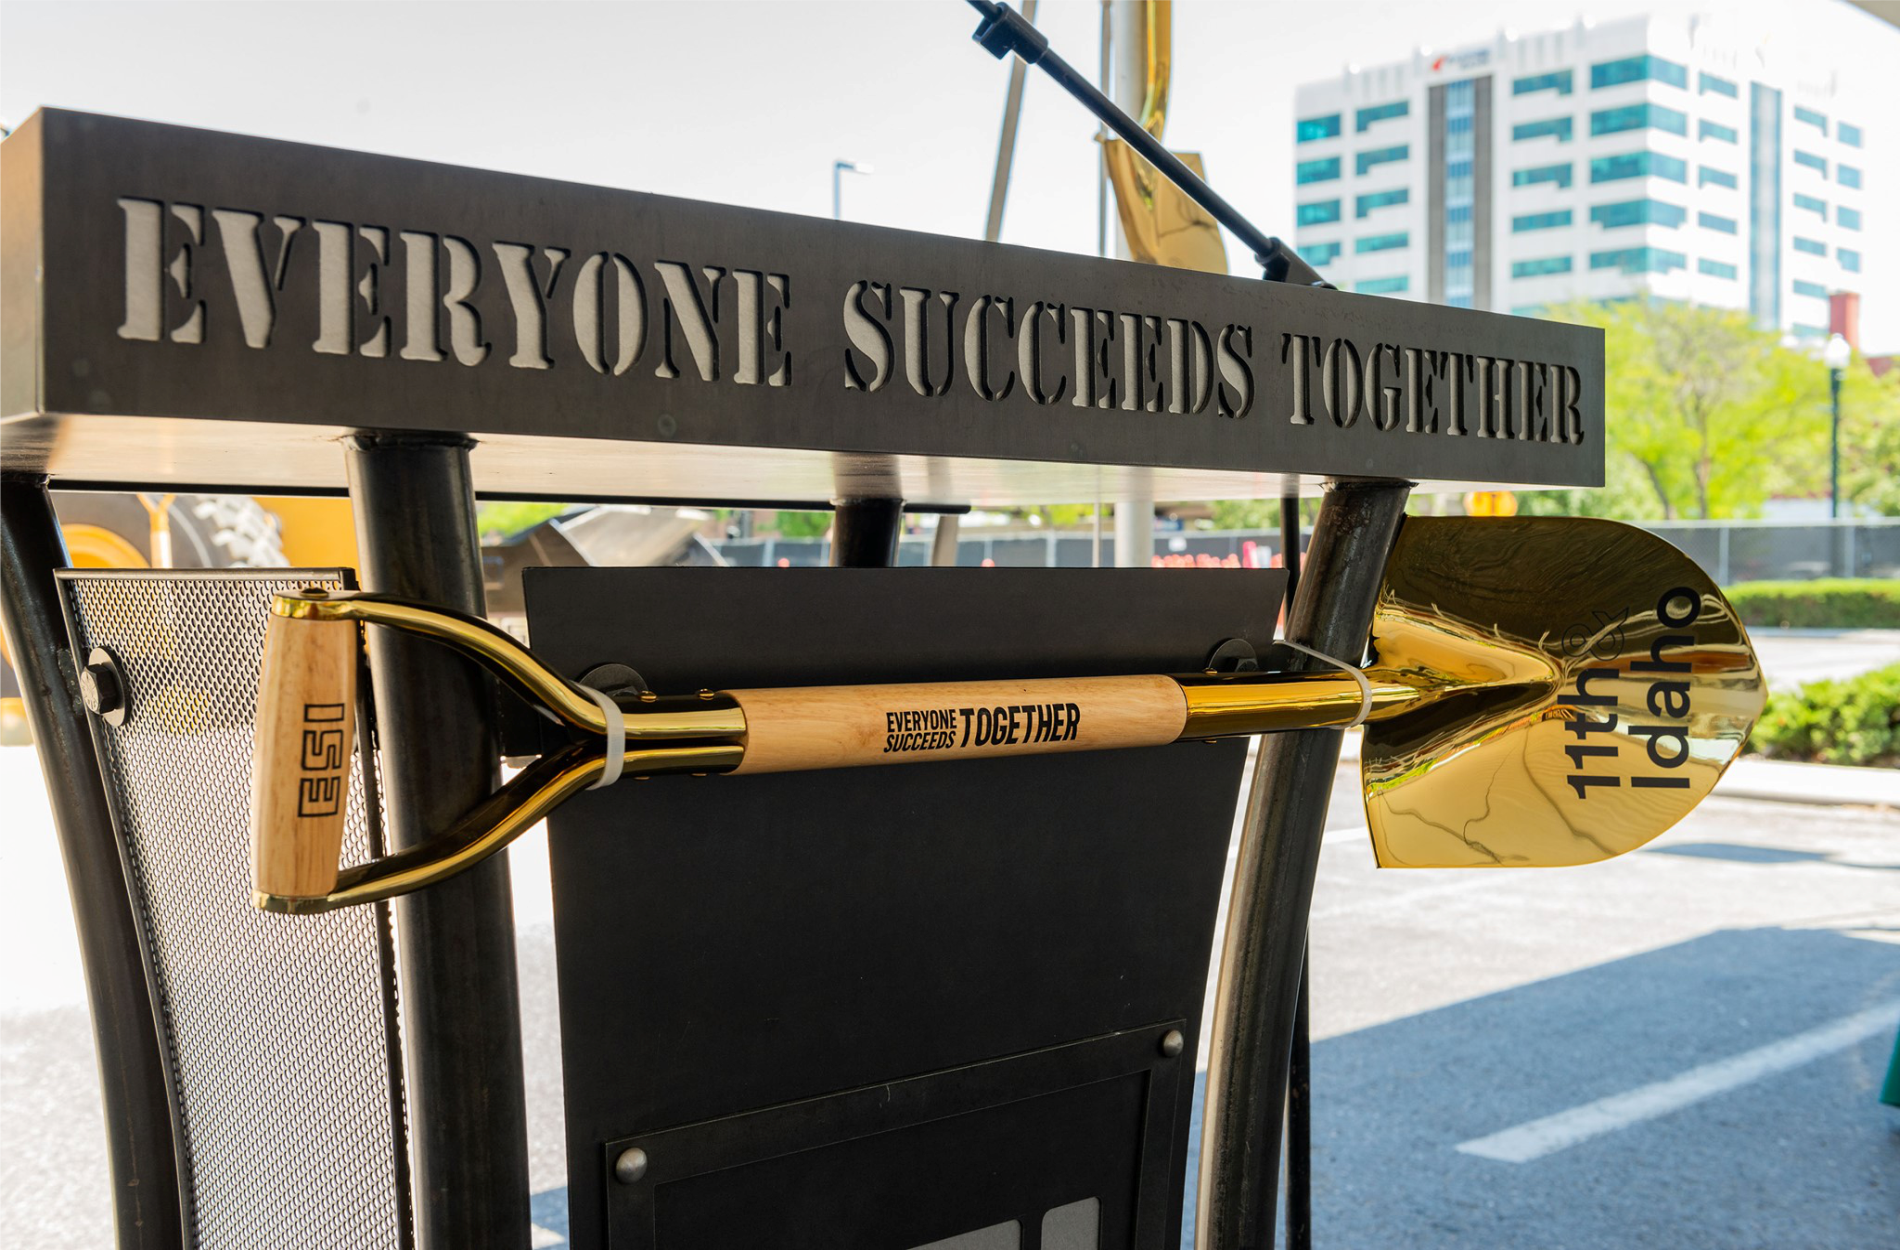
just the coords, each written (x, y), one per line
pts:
(1681, 159)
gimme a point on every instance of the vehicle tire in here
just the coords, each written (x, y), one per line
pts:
(208, 531)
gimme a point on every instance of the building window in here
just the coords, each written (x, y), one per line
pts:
(1765, 200)
(1381, 156)
(1541, 221)
(1849, 135)
(1715, 269)
(1317, 213)
(1381, 242)
(1709, 221)
(1849, 218)
(1811, 161)
(1319, 253)
(1638, 213)
(1538, 268)
(1638, 165)
(1638, 117)
(1459, 215)
(1308, 129)
(1850, 260)
(1317, 171)
(1812, 118)
(1639, 260)
(1383, 286)
(1813, 247)
(1638, 69)
(1556, 80)
(1847, 176)
(1559, 127)
(1458, 258)
(1706, 129)
(1813, 290)
(1706, 177)
(1559, 174)
(1365, 204)
(1379, 112)
(1709, 84)
(1809, 204)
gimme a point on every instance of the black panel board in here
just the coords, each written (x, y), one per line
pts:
(728, 945)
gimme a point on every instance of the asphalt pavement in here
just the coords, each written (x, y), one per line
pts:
(1678, 1048)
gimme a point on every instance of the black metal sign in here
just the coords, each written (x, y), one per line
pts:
(161, 272)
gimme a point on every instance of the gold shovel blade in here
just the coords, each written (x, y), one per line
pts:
(1161, 224)
(1597, 685)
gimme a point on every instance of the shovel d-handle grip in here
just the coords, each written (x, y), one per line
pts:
(796, 729)
(300, 779)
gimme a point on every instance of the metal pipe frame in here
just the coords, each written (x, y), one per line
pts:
(141, 1147)
(1257, 998)
(415, 525)
(1299, 1083)
(864, 532)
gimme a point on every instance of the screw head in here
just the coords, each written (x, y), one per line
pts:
(630, 1166)
(1173, 1042)
(101, 687)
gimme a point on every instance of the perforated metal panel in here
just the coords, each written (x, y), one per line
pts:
(280, 1031)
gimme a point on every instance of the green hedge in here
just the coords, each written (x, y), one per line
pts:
(1855, 721)
(1823, 603)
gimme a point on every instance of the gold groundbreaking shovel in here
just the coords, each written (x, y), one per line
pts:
(1542, 691)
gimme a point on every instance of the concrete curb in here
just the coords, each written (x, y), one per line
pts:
(1828, 785)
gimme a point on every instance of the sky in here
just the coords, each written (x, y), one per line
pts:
(750, 103)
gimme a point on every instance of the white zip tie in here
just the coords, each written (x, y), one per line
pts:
(1358, 675)
(616, 738)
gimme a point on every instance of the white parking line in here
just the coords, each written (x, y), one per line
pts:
(1537, 1138)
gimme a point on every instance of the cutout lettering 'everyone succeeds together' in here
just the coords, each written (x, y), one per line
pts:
(194, 272)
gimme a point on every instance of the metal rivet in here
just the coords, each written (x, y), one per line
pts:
(706, 694)
(630, 1166)
(102, 687)
(1173, 1042)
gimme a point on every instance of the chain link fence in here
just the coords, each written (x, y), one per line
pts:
(1730, 551)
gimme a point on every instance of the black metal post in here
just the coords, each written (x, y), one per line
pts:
(140, 1147)
(435, 719)
(1273, 882)
(1299, 1083)
(864, 533)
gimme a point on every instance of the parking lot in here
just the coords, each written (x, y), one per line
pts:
(1686, 1042)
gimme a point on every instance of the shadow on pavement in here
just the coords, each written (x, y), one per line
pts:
(1804, 1157)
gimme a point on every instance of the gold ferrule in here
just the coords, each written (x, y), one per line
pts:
(1224, 707)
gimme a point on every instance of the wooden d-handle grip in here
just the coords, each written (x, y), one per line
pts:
(300, 771)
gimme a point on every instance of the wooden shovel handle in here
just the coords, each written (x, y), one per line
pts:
(845, 726)
(300, 771)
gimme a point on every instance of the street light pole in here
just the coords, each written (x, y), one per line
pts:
(1834, 446)
(838, 170)
(1836, 356)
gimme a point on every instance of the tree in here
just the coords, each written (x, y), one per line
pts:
(1870, 441)
(1706, 416)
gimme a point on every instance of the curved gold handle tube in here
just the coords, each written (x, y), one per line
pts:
(495, 822)
(659, 720)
